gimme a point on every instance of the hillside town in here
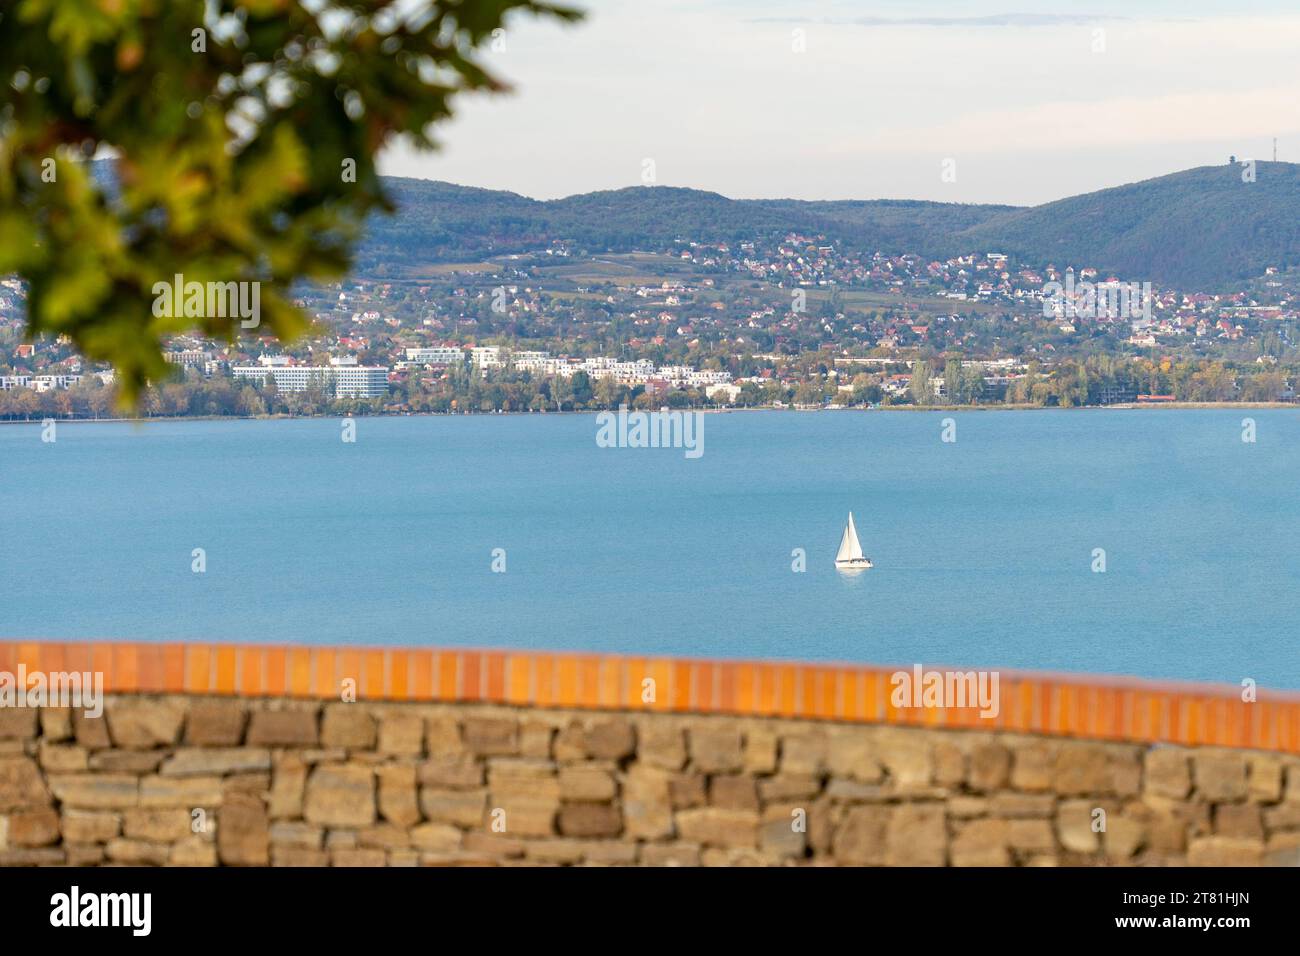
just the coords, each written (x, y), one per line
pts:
(795, 321)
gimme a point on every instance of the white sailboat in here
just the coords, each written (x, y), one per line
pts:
(850, 556)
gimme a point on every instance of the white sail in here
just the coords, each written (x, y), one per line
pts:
(850, 549)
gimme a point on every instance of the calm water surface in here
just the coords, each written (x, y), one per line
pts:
(983, 548)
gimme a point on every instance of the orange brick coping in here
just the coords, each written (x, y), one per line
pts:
(1113, 708)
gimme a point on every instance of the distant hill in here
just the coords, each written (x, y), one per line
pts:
(1200, 228)
(440, 222)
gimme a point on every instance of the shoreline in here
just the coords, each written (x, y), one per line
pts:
(1130, 406)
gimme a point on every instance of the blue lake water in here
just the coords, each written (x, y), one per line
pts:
(983, 547)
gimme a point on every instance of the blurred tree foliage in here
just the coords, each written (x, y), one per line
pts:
(244, 134)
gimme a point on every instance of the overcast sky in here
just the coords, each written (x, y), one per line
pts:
(1029, 106)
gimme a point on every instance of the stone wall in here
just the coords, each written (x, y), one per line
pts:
(202, 781)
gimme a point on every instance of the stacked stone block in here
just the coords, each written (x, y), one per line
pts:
(205, 781)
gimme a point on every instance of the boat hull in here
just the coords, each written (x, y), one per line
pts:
(854, 564)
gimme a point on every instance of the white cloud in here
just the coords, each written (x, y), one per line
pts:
(1118, 121)
(721, 101)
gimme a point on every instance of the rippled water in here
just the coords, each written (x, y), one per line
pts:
(983, 547)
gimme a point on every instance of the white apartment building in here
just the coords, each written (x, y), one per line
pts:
(188, 358)
(287, 378)
(440, 355)
(675, 374)
(358, 381)
(348, 379)
(625, 373)
(733, 391)
(707, 377)
(45, 383)
(634, 373)
(563, 367)
(530, 360)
